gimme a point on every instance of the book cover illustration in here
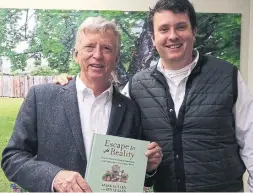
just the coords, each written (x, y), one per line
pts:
(116, 164)
(115, 175)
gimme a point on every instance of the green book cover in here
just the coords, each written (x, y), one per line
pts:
(116, 164)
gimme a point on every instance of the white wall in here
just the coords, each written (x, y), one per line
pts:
(250, 55)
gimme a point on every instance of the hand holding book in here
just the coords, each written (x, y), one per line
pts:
(70, 181)
(118, 164)
(154, 155)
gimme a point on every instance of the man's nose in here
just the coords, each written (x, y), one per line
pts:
(173, 34)
(97, 53)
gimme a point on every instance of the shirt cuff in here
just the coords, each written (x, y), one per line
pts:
(52, 185)
(150, 174)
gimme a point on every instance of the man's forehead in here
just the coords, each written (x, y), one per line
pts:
(163, 18)
(98, 31)
(101, 37)
(169, 15)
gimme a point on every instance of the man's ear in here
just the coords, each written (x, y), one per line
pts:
(75, 56)
(194, 31)
(75, 53)
(153, 41)
(116, 62)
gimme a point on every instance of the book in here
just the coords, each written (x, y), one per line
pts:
(116, 164)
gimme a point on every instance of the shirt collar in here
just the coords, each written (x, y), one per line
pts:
(81, 87)
(190, 67)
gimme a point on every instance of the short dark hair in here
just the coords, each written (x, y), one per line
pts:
(175, 6)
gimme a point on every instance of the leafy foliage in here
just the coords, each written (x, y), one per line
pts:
(73, 69)
(10, 35)
(219, 35)
(43, 71)
(53, 38)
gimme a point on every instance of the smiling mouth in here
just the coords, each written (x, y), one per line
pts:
(174, 46)
(97, 65)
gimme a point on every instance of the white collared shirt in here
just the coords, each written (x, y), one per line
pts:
(94, 112)
(176, 79)
(243, 109)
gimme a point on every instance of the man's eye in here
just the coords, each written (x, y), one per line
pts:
(107, 49)
(89, 48)
(163, 29)
(181, 27)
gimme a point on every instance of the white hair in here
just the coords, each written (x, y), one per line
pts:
(98, 24)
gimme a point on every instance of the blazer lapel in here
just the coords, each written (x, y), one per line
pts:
(73, 115)
(117, 113)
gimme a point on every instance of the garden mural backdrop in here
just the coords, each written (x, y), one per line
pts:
(40, 43)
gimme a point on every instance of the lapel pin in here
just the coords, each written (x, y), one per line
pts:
(119, 105)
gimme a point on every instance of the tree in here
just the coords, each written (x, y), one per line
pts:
(219, 35)
(54, 33)
(43, 71)
(136, 50)
(11, 33)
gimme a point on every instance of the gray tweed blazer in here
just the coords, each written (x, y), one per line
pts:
(47, 135)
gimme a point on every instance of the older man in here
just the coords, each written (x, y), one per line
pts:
(52, 135)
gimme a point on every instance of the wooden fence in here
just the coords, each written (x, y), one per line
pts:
(18, 86)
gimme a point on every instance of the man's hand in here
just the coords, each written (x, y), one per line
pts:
(69, 181)
(62, 79)
(154, 154)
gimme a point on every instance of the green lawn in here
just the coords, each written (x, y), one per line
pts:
(8, 111)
